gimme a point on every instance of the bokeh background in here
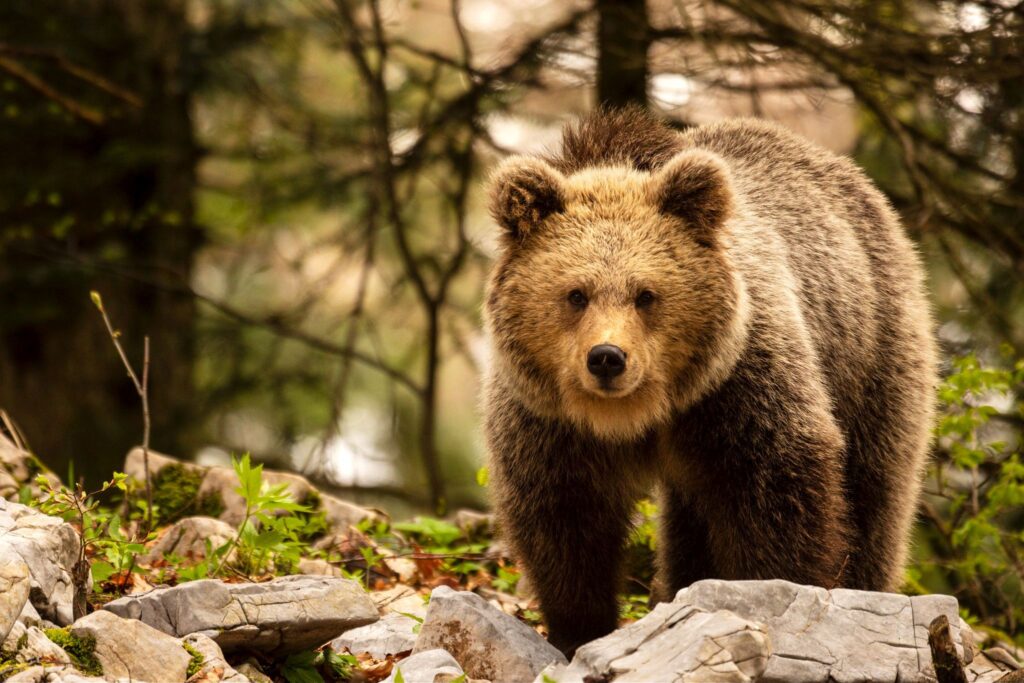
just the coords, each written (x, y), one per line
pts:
(285, 197)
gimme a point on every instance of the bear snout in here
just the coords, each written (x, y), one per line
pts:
(606, 361)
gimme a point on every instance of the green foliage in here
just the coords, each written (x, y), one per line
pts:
(266, 538)
(101, 528)
(176, 494)
(974, 502)
(435, 532)
(311, 666)
(81, 649)
(197, 662)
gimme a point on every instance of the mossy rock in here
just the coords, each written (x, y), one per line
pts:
(81, 649)
(176, 494)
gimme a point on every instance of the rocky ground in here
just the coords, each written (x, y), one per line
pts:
(151, 623)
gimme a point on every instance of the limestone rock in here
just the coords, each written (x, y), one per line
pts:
(288, 614)
(675, 642)
(253, 673)
(128, 648)
(400, 600)
(14, 589)
(18, 469)
(394, 633)
(55, 674)
(429, 666)
(489, 643)
(49, 547)
(36, 648)
(315, 566)
(839, 635)
(215, 668)
(187, 538)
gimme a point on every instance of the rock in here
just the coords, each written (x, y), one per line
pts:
(187, 538)
(394, 633)
(317, 567)
(219, 484)
(985, 670)
(50, 548)
(36, 648)
(838, 635)
(489, 643)
(675, 642)
(288, 614)
(14, 589)
(472, 522)
(253, 673)
(400, 600)
(215, 668)
(51, 674)
(429, 666)
(128, 648)
(18, 469)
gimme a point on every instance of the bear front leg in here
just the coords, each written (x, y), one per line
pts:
(563, 506)
(782, 515)
(684, 552)
(768, 481)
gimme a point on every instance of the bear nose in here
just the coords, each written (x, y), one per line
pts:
(606, 361)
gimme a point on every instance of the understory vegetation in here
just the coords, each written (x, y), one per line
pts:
(969, 541)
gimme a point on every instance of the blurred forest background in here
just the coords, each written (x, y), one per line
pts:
(285, 196)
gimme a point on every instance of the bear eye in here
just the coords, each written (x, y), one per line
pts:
(645, 299)
(578, 298)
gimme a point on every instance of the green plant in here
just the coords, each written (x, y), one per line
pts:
(101, 529)
(973, 545)
(311, 666)
(81, 649)
(265, 539)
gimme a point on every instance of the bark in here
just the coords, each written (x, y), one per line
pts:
(623, 37)
(112, 196)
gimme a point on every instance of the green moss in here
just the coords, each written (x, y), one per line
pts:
(176, 494)
(81, 649)
(9, 667)
(197, 660)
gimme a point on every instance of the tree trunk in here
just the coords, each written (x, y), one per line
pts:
(623, 37)
(103, 198)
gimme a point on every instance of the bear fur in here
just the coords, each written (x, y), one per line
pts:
(779, 363)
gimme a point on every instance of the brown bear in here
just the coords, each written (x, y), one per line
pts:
(729, 315)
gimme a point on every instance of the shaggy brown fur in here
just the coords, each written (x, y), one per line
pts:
(779, 363)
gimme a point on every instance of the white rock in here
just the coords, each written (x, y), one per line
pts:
(400, 600)
(36, 648)
(424, 667)
(18, 469)
(840, 635)
(188, 537)
(314, 566)
(288, 614)
(489, 643)
(394, 633)
(55, 674)
(14, 589)
(215, 668)
(50, 548)
(675, 642)
(128, 648)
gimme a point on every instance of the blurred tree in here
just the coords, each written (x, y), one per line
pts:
(98, 173)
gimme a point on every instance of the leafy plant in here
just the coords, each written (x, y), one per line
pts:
(974, 545)
(101, 529)
(265, 539)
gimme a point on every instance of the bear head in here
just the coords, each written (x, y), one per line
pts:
(614, 299)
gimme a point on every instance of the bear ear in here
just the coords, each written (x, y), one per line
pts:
(695, 185)
(523, 192)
